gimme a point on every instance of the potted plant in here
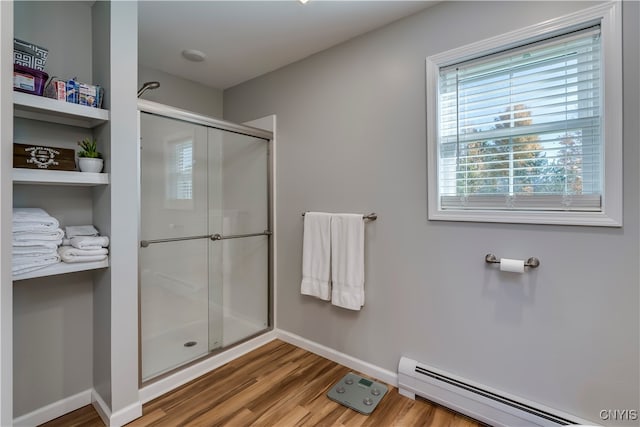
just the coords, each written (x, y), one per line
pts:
(89, 158)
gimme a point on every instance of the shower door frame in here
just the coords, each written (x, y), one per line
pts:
(162, 110)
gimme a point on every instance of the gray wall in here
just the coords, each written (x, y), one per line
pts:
(52, 332)
(351, 137)
(34, 21)
(181, 93)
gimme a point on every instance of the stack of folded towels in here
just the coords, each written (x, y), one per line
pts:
(83, 243)
(36, 237)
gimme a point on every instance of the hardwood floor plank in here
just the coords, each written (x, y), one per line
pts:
(415, 414)
(85, 417)
(148, 418)
(243, 418)
(277, 384)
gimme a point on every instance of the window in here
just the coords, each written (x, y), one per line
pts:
(183, 167)
(526, 127)
(179, 173)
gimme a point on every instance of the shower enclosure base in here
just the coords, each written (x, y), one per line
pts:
(169, 381)
(178, 347)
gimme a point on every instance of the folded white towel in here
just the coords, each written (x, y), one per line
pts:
(32, 228)
(33, 251)
(80, 230)
(347, 260)
(70, 250)
(39, 236)
(36, 245)
(25, 218)
(21, 213)
(316, 255)
(21, 265)
(89, 242)
(71, 254)
(27, 259)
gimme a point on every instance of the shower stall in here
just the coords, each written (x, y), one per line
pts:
(205, 239)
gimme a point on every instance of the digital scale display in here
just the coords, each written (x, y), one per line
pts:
(365, 382)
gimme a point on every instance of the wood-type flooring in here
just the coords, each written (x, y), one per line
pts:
(277, 384)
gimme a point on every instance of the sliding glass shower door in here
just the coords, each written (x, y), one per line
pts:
(204, 253)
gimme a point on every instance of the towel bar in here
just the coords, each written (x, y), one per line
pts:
(371, 217)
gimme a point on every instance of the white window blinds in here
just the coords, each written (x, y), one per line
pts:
(521, 129)
(184, 171)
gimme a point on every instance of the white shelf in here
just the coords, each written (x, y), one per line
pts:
(62, 268)
(55, 177)
(51, 110)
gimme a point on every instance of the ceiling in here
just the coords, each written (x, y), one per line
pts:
(245, 39)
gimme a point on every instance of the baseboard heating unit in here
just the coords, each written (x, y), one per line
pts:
(474, 400)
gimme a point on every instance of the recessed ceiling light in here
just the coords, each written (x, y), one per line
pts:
(303, 1)
(193, 55)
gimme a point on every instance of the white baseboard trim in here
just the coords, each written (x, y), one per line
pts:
(367, 368)
(101, 407)
(169, 383)
(126, 414)
(118, 418)
(54, 410)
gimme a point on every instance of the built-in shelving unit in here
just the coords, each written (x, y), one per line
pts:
(54, 111)
(54, 177)
(62, 268)
(51, 110)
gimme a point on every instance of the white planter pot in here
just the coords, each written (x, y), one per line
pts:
(88, 164)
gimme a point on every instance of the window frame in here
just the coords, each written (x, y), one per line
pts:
(608, 15)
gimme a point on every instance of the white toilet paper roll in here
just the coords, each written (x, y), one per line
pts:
(512, 265)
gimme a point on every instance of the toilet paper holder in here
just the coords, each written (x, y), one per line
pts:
(532, 262)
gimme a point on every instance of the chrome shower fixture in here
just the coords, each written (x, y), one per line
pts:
(146, 86)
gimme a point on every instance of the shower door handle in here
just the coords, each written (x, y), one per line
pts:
(217, 236)
(146, 243)
(214, 237)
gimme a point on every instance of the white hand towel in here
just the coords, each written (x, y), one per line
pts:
(316, 255)
(23, 218)
(89, 242)
(21, 265)
(80, 230)
(347, 260)
(71, 254)
(49, 236)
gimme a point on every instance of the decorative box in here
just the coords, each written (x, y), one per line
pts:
(29, 54)
(42, 157)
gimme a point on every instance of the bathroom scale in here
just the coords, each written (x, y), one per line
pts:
(358, 393)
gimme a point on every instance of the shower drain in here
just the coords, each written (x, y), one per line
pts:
(190, 343)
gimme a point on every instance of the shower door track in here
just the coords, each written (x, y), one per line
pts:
(188, 116)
